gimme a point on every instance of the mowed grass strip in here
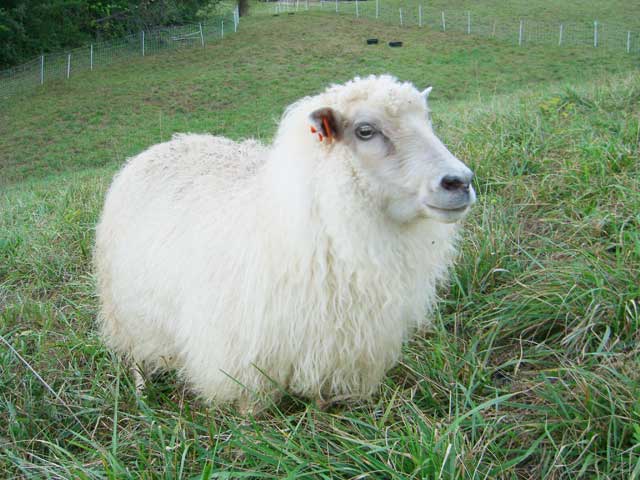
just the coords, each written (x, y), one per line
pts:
(531, 369)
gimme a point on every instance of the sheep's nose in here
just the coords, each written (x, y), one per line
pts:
(456, 183)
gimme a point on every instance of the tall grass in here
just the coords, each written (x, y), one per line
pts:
(530, 369)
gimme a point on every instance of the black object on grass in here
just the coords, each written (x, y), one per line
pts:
(395, 44)
(372, 41)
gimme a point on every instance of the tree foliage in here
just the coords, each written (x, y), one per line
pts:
(32, 27)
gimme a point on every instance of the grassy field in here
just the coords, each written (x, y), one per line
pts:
(622, 12)
(239, 87)
(497, 18)
(532, 367)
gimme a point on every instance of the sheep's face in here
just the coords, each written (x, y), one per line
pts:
(412, 172)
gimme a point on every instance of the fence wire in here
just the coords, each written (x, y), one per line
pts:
(521, 31)
(96, 56)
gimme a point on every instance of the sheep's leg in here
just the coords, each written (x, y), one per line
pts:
(324, 404)
(255, 404)
(246, 405)
(250, 404)
(137, 370)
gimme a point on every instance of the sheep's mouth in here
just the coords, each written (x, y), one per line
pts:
(446, 215)
(448, 210)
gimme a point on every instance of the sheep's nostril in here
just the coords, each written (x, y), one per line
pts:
(452, 183)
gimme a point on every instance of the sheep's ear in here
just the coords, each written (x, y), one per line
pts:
(327, 122)
(425, 93)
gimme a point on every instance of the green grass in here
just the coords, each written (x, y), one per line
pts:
(532, 367)
(622, 12)
(238, 87)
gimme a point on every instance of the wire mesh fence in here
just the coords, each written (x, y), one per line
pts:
(521, 31)
(64, 65)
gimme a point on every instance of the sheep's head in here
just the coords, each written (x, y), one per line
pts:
(385, 125)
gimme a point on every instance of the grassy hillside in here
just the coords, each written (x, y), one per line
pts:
(622, 12)
(239, 87)
(531, 369)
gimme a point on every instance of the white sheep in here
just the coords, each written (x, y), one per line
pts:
(302, 266)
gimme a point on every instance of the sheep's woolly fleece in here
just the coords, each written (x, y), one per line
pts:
(253, 269)
(381, 90)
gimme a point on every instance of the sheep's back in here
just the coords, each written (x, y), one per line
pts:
(164, 224)
(189, 158)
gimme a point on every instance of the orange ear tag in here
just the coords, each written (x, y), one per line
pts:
(327, 129)
(313, 129)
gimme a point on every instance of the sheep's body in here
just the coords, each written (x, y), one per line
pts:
(245, 266)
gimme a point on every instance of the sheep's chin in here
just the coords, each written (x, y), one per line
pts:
(445, 215)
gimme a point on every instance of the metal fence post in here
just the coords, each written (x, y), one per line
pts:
(628, 42)
(520, 33)
(561, 32)
(541, 32)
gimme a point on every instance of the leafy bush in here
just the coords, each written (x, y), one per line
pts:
(32, 27)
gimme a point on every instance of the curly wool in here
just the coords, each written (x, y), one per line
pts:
(245, 266)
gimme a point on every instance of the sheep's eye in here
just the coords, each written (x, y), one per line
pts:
(365, 132)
